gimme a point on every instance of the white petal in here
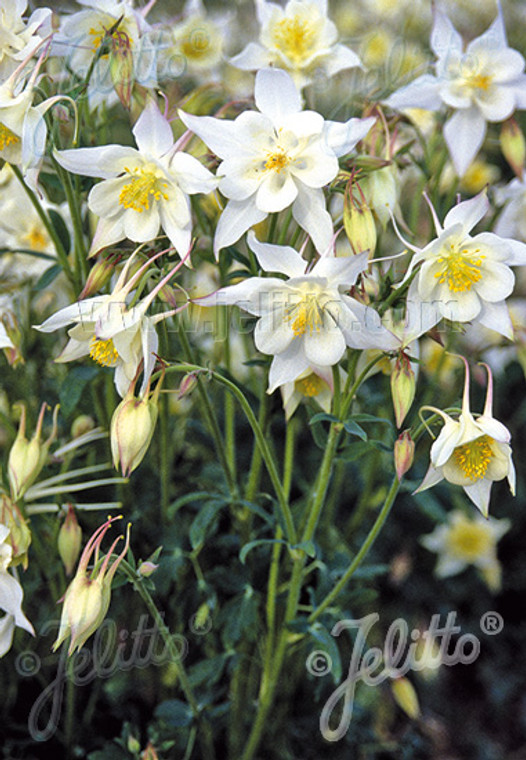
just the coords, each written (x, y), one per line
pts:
(7, 629)
(497, 317)
(150, 347)
(153, 133)
(447, 566)
(341, 137)
(342, 271)
(432, 477)
(468, 213)
(75, 312)
(180, 236)
(253, 57)
(518, 252)
(498, 104)
(445, 40)
(287, 366)
(277, 191)
(273, 333)
(276, 95)
(220, 135)
(464, 133)
(340, 58)
(141, 227)
(479, 494)
(105, 162)
(310, 213)
(103, 198)
(423, 92)
(459, 307)
(237, 218)
(108, 232)
(277, 258)
(325, 347)
(192, 176)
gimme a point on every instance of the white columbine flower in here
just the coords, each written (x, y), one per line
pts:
(304, 321)
(470, 452)
(18, 38)
(484, 83)
(11, 596)
(111, 333)
(465, 541)
(315, 384)
(279, 157)
(467, 278)
(299, 38)
(143, 190)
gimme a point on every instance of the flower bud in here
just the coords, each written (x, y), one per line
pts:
(381, 190)
(147, 568)
(187, 385)
(27, 458)
(69, 540)
(133, 745)
(87, 597)
(150, 753)
(82, 425)
(403, 386)
(13, 352)
(121, 67)
(513, 146)
(405, 696)
(359, 224)
(131, 430)
(100, 275)
(19, 533)
(404, 453)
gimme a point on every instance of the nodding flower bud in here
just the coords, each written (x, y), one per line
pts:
(27, 458)
(358, 222)
(19, 533)
(147, 568)
(121, 66)
(404, 453)
(513, 146)
(100, 275)
(12, 346)
(69, 540)
(405, 696)
(132, 428)
(87, 597)
(403, 386)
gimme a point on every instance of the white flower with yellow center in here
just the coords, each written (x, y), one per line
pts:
(18, 38)
(486, 82)
(305, 320)
(11, 596)
(279, 157)
(143, 190)
(472, 453)
(117, 24)
(112, 333)
(465, 278)
(465, 541)
(315, 384)
(299, 38)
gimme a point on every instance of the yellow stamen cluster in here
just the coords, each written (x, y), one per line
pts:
(196, 44)
(295, 37)
(36, 239)
(305, 316)
(460, 270)
(118, 38)
(309, 386)
(7, 137)
(469, 540)
(145, 184)
(103, 352)
(276, 162)
(473, 458)
(479, 82)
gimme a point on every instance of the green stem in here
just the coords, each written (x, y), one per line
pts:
(76, 220)
(371, 537)
(230, 412)
(205, 733)
(164, 457)
(255, 465)
(61, 252)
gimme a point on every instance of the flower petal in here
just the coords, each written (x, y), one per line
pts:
(237, 218)
(276, 95)
(153, 133)
(277, 258)
(310, 213)
(464, 133)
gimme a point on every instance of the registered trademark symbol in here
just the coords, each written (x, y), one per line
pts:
(491, 623)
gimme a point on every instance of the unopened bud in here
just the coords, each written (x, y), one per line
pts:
(150, 753)
(359, 225)
(121, 67)
(13, 345)
(404, 453)
(167, 295)
(19, 534)
(131, 431)
(133, 745)
(100, 275)
(147, 568)
(513, 146)
(81, 425)
(27, 458)
(187, 385)
(69, 540)
(381, 190)
(403, 386)
(405, 697)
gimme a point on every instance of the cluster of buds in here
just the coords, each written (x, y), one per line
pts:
(27, 458)
(87, 598)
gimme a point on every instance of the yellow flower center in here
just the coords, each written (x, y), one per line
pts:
(118, 38)
(469, 540)
(36, 239)
(305, 316)
(7, 137)
(277, 161)
(309, 386)
(197, 42)
(103, 352)
(295, 37)
(474, 457)
(146, 184)
(479, 82)
(461, 270)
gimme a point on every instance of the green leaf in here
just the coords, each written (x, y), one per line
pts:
(306, 546)
(48, 276)
(73, 387)
(203, 523)
(60, 228)
(322, 417)
(354, 451)
(353, 428)
(240, 618)
(370, 418)
(189, 498)
(174, 712)
(258, 542)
